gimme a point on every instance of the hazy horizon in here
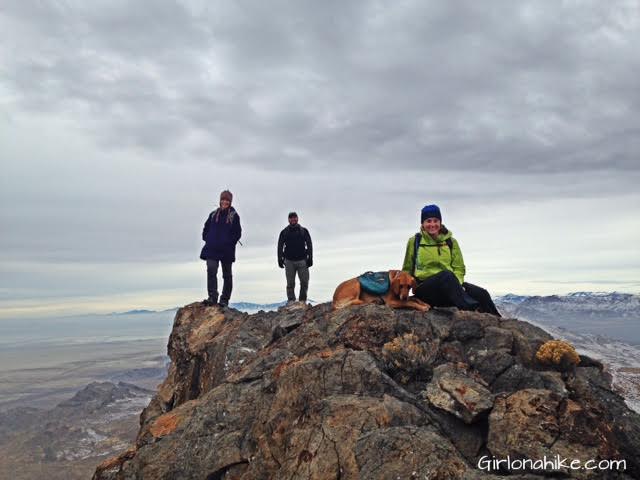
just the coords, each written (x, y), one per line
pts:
(141, 310)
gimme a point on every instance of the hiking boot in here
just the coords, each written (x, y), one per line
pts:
(209, 302)
(223, 304)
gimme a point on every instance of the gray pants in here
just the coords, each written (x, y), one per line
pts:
(291, 267)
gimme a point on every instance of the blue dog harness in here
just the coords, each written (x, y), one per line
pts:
(375, 283)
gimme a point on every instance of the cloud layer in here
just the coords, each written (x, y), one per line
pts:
(511, 86)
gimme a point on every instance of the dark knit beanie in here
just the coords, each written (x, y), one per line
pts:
(430, 211)
(226, 195)
(293, 214)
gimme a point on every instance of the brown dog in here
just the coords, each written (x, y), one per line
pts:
(349, 293)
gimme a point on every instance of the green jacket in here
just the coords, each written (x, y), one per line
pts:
(434, 256)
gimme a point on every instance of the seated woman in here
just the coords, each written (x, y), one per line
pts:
(434, 258)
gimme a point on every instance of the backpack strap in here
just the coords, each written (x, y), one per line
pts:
(416, 245)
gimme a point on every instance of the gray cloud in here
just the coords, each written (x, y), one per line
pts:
(514, 86)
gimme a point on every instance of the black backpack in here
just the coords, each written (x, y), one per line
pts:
(416, 245)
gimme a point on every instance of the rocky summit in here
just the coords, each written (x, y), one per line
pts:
(373, 393)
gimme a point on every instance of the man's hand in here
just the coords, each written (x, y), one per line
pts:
(309, 262)
(281, 263)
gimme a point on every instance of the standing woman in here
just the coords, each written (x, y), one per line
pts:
(434, 258)
(221, 232)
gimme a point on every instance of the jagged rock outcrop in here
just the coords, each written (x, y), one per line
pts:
(66, 442)
(369, 392)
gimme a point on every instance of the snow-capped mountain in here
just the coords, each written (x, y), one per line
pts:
(250, 307)
(614, 303)
(605, 326)
(615, 315)
(512, 299)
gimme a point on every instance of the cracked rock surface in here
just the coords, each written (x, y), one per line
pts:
(369, 392)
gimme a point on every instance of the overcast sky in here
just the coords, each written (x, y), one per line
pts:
(121, 122)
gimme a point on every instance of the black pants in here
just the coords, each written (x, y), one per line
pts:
(444, 290)
(212, 281)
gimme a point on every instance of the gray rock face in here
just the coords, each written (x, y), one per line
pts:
(366, 392)
(455, 390)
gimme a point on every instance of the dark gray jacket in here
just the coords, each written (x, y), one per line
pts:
(294, 243)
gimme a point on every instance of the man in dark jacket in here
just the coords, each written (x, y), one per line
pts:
(221, 232)
(295, 255)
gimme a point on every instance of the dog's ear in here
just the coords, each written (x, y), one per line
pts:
(395, 286)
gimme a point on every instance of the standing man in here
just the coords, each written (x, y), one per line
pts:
(221, 232)
(295, 255)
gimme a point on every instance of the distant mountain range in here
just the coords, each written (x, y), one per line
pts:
(143, 311)
(624, 304)
(242, 306)
(615, 315)
(255, 307)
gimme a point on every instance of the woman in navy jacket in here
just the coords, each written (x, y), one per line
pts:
(221, 232)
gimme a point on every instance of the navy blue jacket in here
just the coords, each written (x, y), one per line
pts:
(221, 232)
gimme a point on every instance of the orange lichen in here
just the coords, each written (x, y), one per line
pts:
(117, 461)
(326, 353)
(165, 424)
(461, 390)
(203, 333)
(383, 419)
(295, 360)
(279, 370)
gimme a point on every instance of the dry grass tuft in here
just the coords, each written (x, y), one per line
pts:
(407, 356)
(558, 353)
